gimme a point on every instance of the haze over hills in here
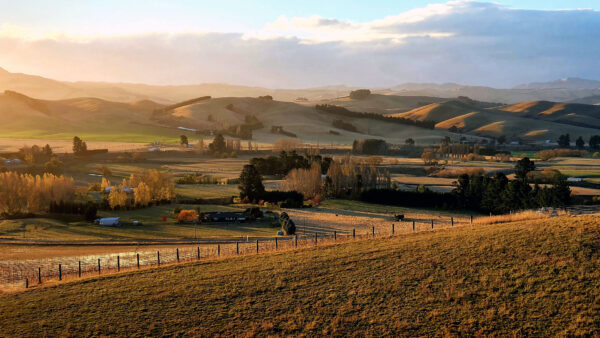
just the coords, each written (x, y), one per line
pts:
(44, 88)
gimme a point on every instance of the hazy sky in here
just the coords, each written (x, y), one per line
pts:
(302, 43)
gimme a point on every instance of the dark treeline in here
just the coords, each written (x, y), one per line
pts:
(86, 210)
(341, 111)
(494, 194)
(285, 162)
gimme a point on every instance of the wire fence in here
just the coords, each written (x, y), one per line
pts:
(20, 274)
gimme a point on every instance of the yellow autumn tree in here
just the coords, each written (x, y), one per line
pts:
(117, 198)
(141, 195)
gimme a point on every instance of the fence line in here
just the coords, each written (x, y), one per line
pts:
(90, 266)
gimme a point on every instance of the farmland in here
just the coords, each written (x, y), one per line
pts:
(461, 281)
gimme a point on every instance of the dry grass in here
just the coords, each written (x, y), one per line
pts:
(456, 172)
(527, 215)
(528, 278)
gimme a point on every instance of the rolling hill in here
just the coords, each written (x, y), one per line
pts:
(582, 115)
(96, 119)
(381, 104)
(532, 278)
(533, 121)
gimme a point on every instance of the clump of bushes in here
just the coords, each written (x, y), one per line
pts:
(455, 173)
(287, 225)
(340, 124)
(545, 155)
(197, 179)
(360, 94)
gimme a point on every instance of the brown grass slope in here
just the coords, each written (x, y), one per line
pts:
(535, 278)
(303, 120)
(568, 113)
(382, 104)
(494, 121)
(21, 113)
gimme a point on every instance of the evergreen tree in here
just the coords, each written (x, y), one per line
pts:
(564, 140)
(580, 143)
(183, 140)
(594, 142)
(251, 185)
(218, 144)
(79, 146)
(523, 167)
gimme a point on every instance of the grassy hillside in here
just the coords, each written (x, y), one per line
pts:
(384, 104)
(529, 120)
(569, 113)
(527, 279)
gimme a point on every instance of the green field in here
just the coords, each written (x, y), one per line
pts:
(519, 279)
(349, 205)
(152, 227)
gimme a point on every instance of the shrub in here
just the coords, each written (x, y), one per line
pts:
(187, 216)
(545, 155)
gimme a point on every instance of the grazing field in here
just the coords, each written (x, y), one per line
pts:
(528, 278)
(152, 227)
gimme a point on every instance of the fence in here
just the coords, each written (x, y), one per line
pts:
(25, 275)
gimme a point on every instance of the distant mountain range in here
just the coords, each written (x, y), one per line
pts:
(570, 89)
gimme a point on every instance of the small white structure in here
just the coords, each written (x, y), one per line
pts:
(574, 179)
(108, 221)
(153, 149)
(187, 129)
(515, 143)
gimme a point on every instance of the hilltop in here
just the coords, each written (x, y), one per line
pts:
(486, 280)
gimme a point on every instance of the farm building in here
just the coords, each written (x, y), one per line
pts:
(108, 221)
(574, 179)
(224, 217)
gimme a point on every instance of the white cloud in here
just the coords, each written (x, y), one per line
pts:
(460, 41)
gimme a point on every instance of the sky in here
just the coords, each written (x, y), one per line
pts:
(285, 44)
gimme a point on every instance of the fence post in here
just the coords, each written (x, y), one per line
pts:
(373, 231)
(452, 221)
(118, 263)
(316, 239)
(26, 283)
(79, 270)
(59, 272)
(177, 249)
(198, 253)
(392, 228)
(99, 268)
(413, 225)
(138, 260)
(432, 224)
(296, 241)
(257, 246)
(471, 219)
(237, 248)
(39, 275)
(218, 249)
(158, 257)
(353, 233)
(334, 235)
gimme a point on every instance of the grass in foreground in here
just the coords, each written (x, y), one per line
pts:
(529, 278)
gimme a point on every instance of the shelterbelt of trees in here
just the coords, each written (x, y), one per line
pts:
(342, 111)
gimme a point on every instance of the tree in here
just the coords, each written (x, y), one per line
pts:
(218, 144)
(564, 140)
(79, 146)
(251, 185)
(409, 142)
(117, 198)
(183, 140)
(523, 167)
(580, 143)
(501, 139)
(594, 142)
(142, 195)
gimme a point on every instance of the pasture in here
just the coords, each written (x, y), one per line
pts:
(463, 281)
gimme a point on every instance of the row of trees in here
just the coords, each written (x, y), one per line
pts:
(24, 193)
(286, 161)
(564, 141)
(342, 111)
